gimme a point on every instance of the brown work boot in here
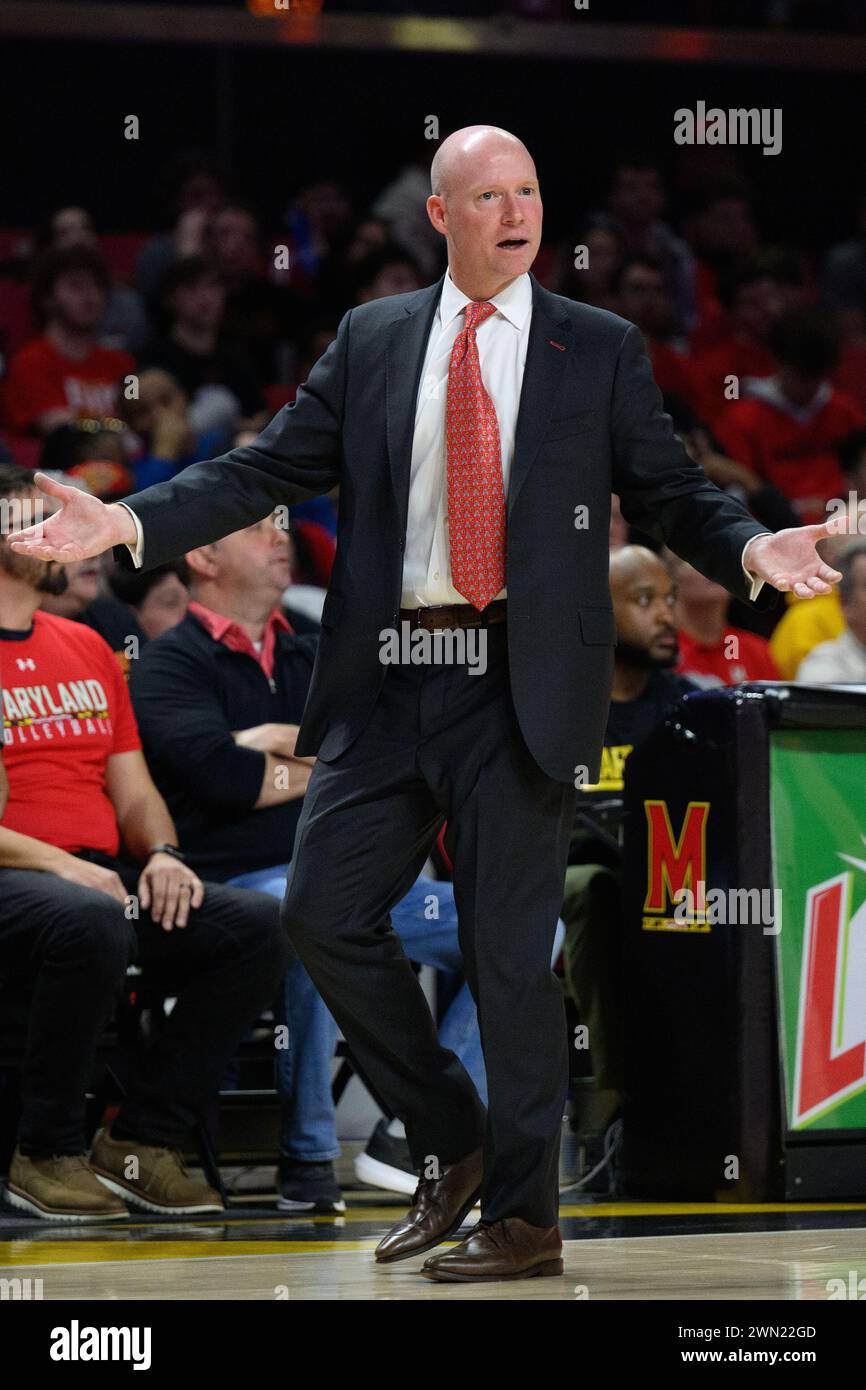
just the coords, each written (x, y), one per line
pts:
(439, 1208)
(62, 1188)
(509, 1249)
(151, 1178)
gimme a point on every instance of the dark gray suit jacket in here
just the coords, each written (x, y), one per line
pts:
(590, 422)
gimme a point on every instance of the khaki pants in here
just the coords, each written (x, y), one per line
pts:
(593, 966)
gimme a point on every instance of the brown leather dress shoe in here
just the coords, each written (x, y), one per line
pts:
(509, 1249)
(439, 1208)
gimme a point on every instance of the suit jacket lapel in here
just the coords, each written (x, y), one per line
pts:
(547, 353)
(404, 360)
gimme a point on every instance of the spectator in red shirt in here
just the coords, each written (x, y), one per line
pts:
(850, 374)
(124, 323)
(643, 299)
(635, 201)
(720, 229)
(65, 376)
(712, 651)
(90, 879)
(790, 427)
(754, 304)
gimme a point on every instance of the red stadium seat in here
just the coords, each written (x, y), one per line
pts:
(121, 251)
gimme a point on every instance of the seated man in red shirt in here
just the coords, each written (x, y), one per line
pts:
(642, 298)
(790, 427)
(65, 376)
(712, 651)
(754, 303)
(90, 880)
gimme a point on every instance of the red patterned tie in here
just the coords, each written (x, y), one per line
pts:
(476, 500)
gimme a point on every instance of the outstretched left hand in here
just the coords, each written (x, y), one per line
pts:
(789, 561)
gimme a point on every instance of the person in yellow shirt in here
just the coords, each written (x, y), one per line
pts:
(806, 623)
(809, 621)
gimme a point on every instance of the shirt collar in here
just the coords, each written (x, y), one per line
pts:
(514, 302)
(769, 390)
(230, 634)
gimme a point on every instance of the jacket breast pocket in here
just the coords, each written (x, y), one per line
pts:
(331, 610)
(570, 424)
(597, 626)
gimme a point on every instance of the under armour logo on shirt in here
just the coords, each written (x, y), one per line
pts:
(25, 663)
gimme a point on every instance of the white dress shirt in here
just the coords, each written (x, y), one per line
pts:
(502, 342)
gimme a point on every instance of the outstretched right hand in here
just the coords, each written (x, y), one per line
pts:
(81, 527)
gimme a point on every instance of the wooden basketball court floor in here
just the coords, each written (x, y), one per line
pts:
(613, 1250)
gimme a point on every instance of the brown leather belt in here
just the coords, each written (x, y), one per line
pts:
(455, 615)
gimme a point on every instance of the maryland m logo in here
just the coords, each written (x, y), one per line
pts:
(675, 863)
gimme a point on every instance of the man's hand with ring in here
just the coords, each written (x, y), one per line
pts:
(169, 890)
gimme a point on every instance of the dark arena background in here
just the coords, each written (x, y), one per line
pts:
(194, 195)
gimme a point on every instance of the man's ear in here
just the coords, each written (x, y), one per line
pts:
(436, 212)
(202, 562)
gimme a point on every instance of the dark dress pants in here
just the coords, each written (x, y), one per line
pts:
(445, 743)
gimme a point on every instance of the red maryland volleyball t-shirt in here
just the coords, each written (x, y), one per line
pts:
(66, 710)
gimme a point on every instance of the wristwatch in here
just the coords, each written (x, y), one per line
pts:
(168, 849)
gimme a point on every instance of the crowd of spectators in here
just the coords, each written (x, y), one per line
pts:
(117, 376)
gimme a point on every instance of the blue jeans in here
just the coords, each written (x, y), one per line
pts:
(426, 922)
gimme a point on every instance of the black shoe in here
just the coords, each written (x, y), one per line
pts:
(308, 1187)
(386, 1162)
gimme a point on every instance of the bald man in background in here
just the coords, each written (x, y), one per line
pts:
(644, 690)
(476, 429)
